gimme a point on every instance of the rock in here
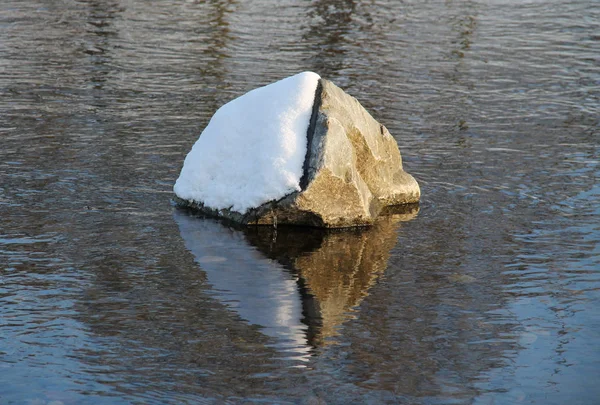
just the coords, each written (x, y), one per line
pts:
(352, 171)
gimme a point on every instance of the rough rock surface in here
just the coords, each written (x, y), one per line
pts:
(352, 171)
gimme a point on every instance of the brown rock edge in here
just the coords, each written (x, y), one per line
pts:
(352, 171)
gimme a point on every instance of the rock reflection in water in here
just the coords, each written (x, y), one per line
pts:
(298, 284)
(257, 288)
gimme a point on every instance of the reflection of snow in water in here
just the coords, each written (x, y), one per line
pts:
(258, 289)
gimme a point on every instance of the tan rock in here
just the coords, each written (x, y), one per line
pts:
(352, 171)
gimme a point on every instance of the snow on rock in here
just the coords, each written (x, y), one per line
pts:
(253, 149)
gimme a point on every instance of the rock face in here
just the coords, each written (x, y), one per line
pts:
(352, 171)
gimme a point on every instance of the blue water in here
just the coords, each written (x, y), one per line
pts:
(488, 293)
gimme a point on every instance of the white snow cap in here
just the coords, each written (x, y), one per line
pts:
(252, 150)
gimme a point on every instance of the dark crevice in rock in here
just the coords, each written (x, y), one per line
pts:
(309, 136)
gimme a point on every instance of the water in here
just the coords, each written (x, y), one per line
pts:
(488, 293)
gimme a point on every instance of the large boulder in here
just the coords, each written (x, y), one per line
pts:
(352, 171)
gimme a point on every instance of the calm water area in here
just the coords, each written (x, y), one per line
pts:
(487, 293)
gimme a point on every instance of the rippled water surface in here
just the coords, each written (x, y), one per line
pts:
(488, 293)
